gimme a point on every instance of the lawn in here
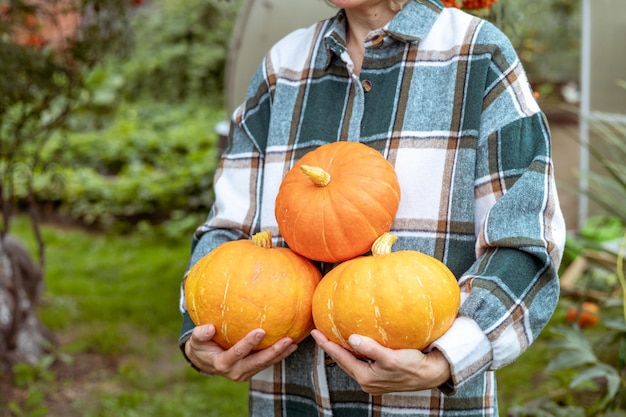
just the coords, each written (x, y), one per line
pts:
(112, 302)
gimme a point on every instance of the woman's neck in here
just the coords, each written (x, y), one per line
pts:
(360, 23)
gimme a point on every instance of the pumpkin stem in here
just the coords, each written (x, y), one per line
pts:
(263, 239)
(319, 177)
(382, 245)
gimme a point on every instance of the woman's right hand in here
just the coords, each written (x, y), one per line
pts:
(240, 362)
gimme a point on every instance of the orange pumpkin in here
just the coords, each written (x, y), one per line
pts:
(336, 200)
(403, 300)
(243, 285)
(587, 314)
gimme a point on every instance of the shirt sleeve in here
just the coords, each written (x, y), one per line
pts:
(511, 291)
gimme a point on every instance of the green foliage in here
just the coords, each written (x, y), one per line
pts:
(153, 162)
(602, 228)
(575, 352)
(587, 364)
(590, 363)
(524, 381)
(33, 379)
(181, 50)
(42, 78)
(25, 375)
(548, 409)
(125, 157)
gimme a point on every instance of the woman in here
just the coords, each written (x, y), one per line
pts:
(442, 95)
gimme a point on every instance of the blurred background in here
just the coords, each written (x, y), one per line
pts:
(112, 119)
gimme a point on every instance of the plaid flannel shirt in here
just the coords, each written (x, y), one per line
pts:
(443, 96)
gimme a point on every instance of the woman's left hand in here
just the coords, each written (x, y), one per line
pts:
(388, 370)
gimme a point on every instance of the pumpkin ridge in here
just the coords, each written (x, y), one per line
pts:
(378, 318)
(363, 214)
(223, 309)
(327, 195)
(323, 221)
(331, 314)
(383, 209)
(337, 202)
(372, 192)
(319, 199)
(431, 318)
(298, 302)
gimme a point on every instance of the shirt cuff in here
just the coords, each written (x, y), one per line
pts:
(467, 350)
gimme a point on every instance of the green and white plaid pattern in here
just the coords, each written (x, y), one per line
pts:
(451, 108)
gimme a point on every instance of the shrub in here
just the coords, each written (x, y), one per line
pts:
(152, 161)
(180, 50)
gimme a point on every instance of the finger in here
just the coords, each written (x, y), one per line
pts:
(323, 342)
(274, 354)
(344, 358)
(242, 348)
(319, 337)
(262, 359)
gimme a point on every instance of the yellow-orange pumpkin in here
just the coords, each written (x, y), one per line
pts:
(247, 284)
(336, 200)
(404, 299)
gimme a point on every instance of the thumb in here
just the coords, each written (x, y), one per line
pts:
(367, 347)
(203, 333)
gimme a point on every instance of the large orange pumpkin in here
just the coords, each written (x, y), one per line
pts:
(404, 299)
(247, 284)
(336, 200)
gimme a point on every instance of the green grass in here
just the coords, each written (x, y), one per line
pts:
(112, 302)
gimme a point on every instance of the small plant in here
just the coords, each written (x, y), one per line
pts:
(33, 379)
(590, 363)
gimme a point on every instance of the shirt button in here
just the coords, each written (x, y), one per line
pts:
(367, 85)
(378, 41)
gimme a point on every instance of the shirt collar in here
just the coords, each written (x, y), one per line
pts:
(415, 20)
(411, 24)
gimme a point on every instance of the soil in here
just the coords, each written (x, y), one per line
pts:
(83, 377)
(80, 379)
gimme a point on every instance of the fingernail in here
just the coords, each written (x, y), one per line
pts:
(259, 335)
(354, 340)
